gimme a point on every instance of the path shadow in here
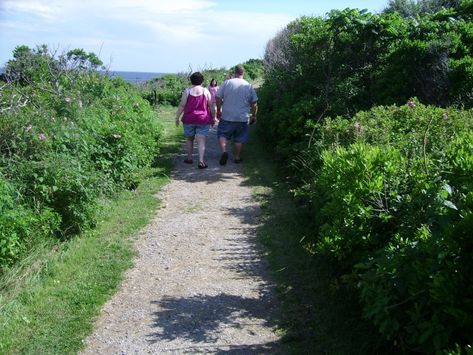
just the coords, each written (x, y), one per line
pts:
(248, 214)
(242, 260)
(215, 172)
(202, 318)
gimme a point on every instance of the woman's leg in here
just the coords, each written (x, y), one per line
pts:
(201, 145)
(190, 147)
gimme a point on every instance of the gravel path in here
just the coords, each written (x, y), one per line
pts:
(199, 284)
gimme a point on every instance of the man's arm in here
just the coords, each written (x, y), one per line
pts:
(219, 107)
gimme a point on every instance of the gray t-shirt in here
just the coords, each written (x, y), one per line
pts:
(237, 95)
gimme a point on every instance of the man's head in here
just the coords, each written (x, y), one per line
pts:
(239, 71)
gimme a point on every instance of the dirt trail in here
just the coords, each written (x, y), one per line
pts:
(199, 284)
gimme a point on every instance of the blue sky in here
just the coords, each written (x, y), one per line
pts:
(167, 36)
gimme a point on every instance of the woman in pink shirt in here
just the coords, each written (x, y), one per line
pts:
(198, 116)
(213, 87)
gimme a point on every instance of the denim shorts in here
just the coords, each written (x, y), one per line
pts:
(238, 130)
(190, 130)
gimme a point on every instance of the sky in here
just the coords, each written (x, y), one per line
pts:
(158, 36)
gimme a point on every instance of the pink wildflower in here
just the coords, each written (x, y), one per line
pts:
(42, 137)
(411, 103)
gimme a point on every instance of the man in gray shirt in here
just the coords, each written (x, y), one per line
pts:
(236, 98)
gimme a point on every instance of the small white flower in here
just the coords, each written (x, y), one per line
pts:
(411, 103)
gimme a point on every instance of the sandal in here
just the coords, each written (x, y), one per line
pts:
(238, 161)
(202, 165)
(188, 161)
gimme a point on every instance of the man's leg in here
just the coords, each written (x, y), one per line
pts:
(223, 144)
(241, 137)
(223, 148)
(238, 148)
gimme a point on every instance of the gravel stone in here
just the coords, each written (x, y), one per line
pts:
(199, 284)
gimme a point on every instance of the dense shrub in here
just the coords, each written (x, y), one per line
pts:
(392, 195)
(254, 69)
(390, 186)
(14, 224)
(352, 60)
(418, 288)
(165, 90)
(19, 224)
(68, 135)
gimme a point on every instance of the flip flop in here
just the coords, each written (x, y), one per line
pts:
(202, 165)
(188, 161)
(238, 161)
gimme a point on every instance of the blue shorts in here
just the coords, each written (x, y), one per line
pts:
(238, 130)
(190, 130)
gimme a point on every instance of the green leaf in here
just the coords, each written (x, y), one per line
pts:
(447, 188)
(450, 204)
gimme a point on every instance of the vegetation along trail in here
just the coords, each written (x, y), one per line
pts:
(199, 284)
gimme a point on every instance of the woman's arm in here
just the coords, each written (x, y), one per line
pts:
(210, 105)
(182, 104)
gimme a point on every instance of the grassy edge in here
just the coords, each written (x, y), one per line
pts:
(282, 226)
(55, 308)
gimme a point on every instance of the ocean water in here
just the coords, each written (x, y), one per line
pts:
(131, 76)
(135, 76)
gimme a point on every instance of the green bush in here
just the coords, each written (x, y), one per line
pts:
(18, 224)
(353, 60)
(418, 288)
(68, 136)
(360, 185)
(392, 195)
(390, 186)
(14, 225)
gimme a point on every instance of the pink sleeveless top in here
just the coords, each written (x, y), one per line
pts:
(196, 110)
(213, 93)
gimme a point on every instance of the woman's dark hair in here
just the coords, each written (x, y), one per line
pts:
(213, 82)
(197, 78)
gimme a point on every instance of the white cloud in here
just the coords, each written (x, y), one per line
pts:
(38, 8)
(160, 6)
(176, 20)
(56, 8)
(193, 30)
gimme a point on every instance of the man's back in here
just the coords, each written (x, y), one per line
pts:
(237, 95)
